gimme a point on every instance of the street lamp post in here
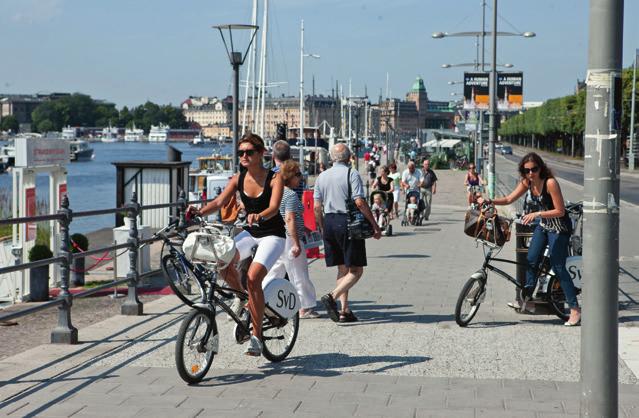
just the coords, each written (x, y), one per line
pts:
(237, 58)
(302, 138)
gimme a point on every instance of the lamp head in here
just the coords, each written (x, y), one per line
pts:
(529, 34)
(234, 49)
(446, 65)
(438, 35)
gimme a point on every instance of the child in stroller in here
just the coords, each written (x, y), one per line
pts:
(414, 209)
(381, 211)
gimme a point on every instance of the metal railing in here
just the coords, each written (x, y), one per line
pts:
(65, 332)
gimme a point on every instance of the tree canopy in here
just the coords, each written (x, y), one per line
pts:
(81, 110)
(566, 115)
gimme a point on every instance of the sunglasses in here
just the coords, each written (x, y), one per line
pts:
(248, 152)
(530, 170)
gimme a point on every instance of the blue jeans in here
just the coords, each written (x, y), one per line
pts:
(558, 245)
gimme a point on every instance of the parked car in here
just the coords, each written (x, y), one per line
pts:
(506, 150)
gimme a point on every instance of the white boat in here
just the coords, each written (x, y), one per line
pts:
(133, 134)
(70, 133)
(159, 133)
(200, 141)
(80, 151)
(109, 135)
(210, 178)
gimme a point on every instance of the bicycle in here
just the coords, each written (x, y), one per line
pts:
(198, 338)
(548, 288)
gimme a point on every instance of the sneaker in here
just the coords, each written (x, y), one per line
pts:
(331, 307)
(254, 347)
(515, 305)
(237, 306)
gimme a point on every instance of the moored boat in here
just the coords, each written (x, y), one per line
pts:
(80, 151)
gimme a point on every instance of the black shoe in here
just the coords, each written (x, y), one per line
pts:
(347, 316)
(331, 307)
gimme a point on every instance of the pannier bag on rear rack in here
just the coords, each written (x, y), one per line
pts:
(208, 245)
(487, 226)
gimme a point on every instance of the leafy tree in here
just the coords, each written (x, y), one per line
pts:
(46, 126)
(10, 123)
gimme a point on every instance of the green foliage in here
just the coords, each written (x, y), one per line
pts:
(439, 161)
(40, 252)
(43, 233)
(81, 241)
(566, 115)
(152, 114)
(10, 123)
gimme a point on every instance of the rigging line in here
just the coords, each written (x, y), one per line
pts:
(281, 46)
(512, 26)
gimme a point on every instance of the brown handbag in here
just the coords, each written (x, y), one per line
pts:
(487, 226)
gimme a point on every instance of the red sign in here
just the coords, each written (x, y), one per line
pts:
(30, 206)
(62, 191)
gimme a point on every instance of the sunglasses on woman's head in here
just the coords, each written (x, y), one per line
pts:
(530, 170)
(248, 152)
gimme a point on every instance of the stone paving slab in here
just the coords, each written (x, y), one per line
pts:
(405, 357)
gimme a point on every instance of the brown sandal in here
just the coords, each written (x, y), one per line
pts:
(347, 316)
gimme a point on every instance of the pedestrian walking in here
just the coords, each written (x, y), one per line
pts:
(293, 259)
(428, 187)
(553, 230)
(281, 153)
(396, 176)
(331, 214)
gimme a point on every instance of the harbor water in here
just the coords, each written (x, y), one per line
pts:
(91, 184)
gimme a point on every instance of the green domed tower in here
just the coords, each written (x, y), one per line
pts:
(418, 95)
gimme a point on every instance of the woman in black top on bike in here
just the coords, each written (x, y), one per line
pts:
(554, 229)
(261, 193)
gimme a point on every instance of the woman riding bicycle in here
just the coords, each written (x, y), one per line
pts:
(472, 180)
(554, 230)
(261, 193)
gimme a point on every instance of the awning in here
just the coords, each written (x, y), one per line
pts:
(443, 143)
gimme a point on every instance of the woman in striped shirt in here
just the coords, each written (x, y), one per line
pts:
(293, 260)
(553, 229)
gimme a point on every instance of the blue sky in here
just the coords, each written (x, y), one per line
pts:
(130, 51)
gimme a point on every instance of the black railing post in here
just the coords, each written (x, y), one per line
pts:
(64, 332)
(132, 305)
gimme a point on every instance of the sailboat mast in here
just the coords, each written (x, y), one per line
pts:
(250, 83)
(264, 45)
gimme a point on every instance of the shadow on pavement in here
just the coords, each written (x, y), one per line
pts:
(402, 256)
(327, 364)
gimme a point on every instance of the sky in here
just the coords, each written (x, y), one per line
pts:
(131, 51)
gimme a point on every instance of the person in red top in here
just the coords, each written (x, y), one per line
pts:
(367, 156)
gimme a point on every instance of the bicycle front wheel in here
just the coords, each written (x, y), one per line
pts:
(279, 336)
(469, 301)
(194, 346)
(181, 280)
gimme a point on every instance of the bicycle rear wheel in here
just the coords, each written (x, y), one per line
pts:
(181, 279)
(193, 351)
(469, 300)
(279, 336)
(557, 299)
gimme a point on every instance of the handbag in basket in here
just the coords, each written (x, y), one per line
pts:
(487, 226)
(358, 226)
(209, 246)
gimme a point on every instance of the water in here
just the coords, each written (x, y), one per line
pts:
(91, 184)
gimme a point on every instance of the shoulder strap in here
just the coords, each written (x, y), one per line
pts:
(348, 180)
(269, 177)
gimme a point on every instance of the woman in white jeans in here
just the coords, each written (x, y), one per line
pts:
(293, 260)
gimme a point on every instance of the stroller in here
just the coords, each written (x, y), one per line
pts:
(419, 212)
(383, 216)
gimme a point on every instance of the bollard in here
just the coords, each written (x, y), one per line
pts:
(523, 234)
(64, 332)
(181, 209)
(132, 305)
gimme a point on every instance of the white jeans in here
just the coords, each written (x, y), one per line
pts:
(297, 270)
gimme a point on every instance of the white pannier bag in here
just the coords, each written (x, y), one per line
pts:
(280, 295)
(209, 246)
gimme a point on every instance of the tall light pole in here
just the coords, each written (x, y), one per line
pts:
(599, 331)
(237, 58)
(302, 139)
(492, 109)
(633, 140)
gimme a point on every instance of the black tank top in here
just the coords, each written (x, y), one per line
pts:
(273, 226)
(384, 187)
(561, 225)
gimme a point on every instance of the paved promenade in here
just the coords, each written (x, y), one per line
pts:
(406, 357)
